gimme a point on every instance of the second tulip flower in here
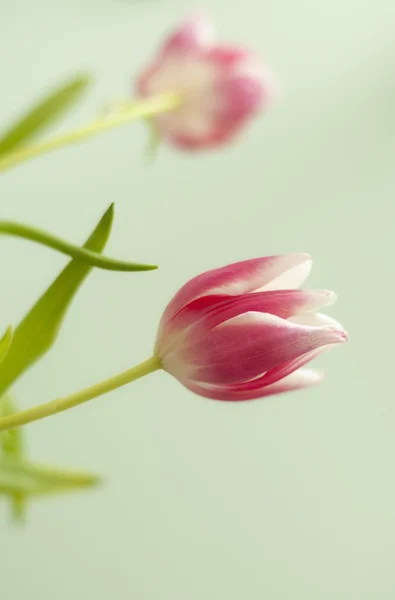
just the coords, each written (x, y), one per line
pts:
(220, 86)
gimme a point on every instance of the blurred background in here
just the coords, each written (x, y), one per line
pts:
(291, 497)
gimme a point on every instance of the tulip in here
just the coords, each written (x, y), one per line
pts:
(245, 331)
(236, 333)
(196, 94)
(221, 87)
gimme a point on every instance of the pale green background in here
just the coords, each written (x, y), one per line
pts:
(288, 498)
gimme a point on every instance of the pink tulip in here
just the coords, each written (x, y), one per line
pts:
(221, 87)
(245, 331)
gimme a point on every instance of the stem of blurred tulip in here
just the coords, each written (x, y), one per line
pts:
(61, 404)
(142, 109)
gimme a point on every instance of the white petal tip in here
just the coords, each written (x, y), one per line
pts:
(336, 335)
(303, 256)
(344, 336)
(309, 377)
(328, 297)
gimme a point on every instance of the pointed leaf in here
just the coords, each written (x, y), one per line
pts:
(37, 332)
(43, 114)
(21, 479)
(6, 342)
(29, 478)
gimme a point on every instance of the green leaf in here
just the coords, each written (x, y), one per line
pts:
(154, 140)
(6, 342)
(21, 479)
(36, 333)
(42, 115)
(87, 256)
(11, 440)
(12, 448)
(27, 478)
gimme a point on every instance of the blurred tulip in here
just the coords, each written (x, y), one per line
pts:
(221, 87)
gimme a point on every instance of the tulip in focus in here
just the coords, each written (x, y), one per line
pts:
(237, 333)
(220, 86)
(246, 331)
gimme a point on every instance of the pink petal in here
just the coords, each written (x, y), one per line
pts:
(284, 370)
(143, 81)
(244, 84)
(281, 303)
(243, 96)
(210, 311)
(216, 137)
(227, 57)
(195, 35)
(198, 317)
(252, 344)
(169, 332)
(240, 278)
(235, 62)
(296, 381)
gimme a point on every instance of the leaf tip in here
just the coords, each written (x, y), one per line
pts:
(9, 332)
(5, 341)
(96, 481)
(108, 217)
(81, 81)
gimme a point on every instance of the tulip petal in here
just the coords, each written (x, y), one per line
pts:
(243, 96)
(314, 320)
(214, 138)
(281, 303)
(292, 278)
(227, 57)
(169, 332)
(299, 379)
(240, 278)
(195, 35)
(242, 84)
(208, 312)
(251, 344)
(284, 370)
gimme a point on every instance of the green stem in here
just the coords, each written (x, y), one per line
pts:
(87, 256)
(147, 107)
(61, 404)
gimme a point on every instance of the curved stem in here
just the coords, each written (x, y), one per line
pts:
(61, 404)
(87, 256)
(147, 107)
